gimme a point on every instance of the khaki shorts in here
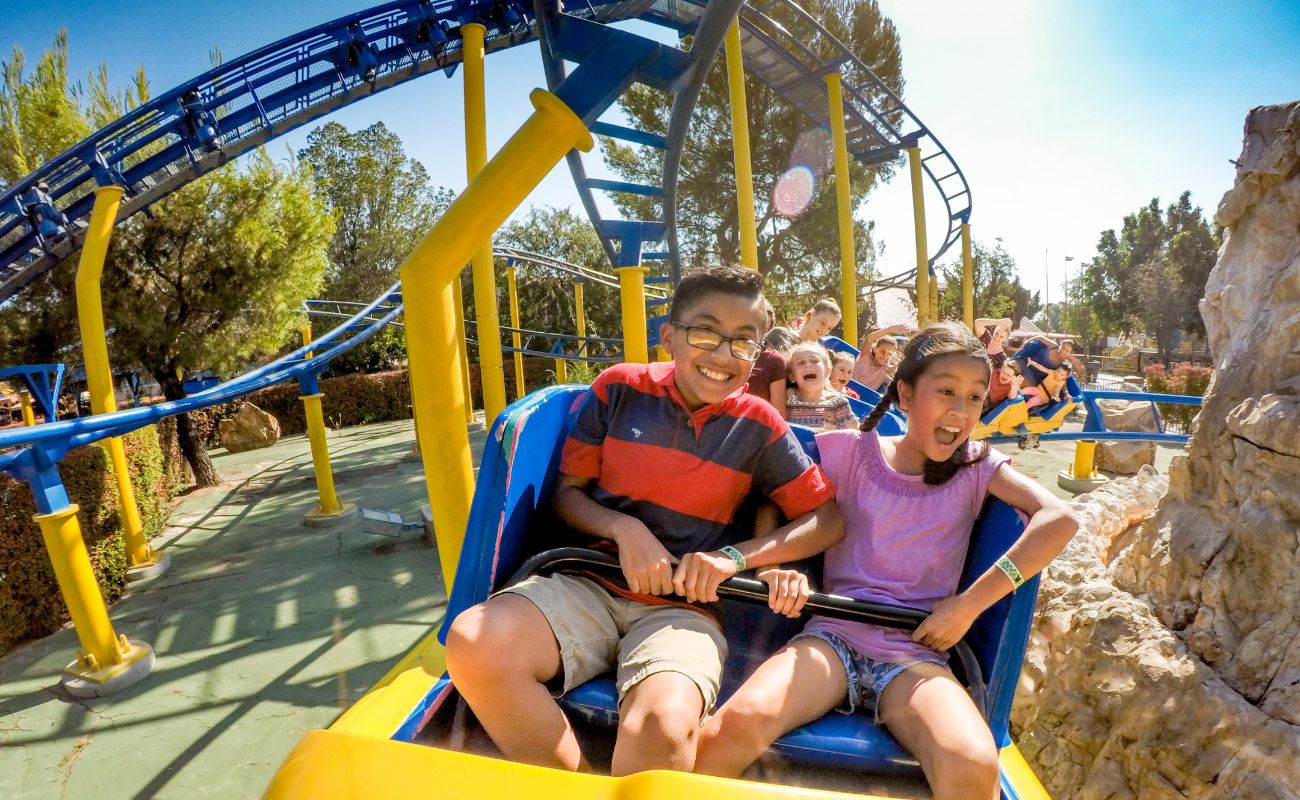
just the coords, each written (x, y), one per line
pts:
(597, 631)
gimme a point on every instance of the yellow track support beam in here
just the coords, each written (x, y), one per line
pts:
(631, 290)
(427, 275)
(740, 149)
(561, 371)
(934, 298)
(491, 375)
(328, 508)
(1082, 476)
(922, 258)
(99, 375)
(107, 662)
(844, 205)
(967, 280)
(29, 417)
(511, 283)
(1084, 449)
(579, 305)
(462, 351)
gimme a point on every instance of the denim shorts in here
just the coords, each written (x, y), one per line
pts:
(867, 676)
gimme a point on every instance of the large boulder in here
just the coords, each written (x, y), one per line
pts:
(249, 429)
(1173, 668)
(1126, 458)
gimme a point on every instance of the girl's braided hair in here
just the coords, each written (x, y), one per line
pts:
(927, 347)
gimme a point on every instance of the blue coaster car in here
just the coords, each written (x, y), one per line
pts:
(510, 528)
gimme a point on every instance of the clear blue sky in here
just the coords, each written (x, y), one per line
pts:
(1064, 115)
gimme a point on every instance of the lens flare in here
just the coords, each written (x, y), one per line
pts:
(794, 191)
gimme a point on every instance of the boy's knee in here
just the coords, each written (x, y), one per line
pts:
(671, 718)
(482, 640)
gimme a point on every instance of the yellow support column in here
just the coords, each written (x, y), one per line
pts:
(923, 314)
(328, 509)
(108, 663)
(512, 286)
(491, 372)
(462, 351)
(844, 204)
(25, 397)
(579, 304)
(740, 149)
(631, 286)
(141, 561)
(934, 298)
(427, 273)
(561, 371)
(967, 279)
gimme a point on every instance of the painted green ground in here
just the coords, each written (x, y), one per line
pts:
(264, 629)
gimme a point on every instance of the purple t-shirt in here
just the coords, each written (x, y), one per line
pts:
(905, 542)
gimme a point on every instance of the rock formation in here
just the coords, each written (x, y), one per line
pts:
(1126, 458)
(1166, 658)
(249, 429)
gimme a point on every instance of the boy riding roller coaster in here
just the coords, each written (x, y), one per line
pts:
(659, 459)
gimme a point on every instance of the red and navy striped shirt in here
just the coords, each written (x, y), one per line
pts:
(684, 473)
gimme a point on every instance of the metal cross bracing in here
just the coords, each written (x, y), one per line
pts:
(787, 49)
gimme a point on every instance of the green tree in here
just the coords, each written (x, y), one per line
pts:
(216, 278)
(211, 278)
(546, 299)
(1149, 277)
(382, 202)
(798, 246)
(997, 292)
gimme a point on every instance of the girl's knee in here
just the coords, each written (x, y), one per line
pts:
(969, 762)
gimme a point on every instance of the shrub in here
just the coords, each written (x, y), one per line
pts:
(1185, 378)
(30, 603)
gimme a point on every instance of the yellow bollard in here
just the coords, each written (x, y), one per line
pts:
(740, 148)
(922, 256)
(427, 274)
(25, 397)
(328, 508)
(631, 285)
(1082, 475)
(108, 662)
(487, 316)
(512, 286)
(140, 558)
(844, 205)
(1084, 464)
(967, 280)
(462, 350)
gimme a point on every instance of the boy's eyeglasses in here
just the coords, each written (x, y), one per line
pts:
(709, 339)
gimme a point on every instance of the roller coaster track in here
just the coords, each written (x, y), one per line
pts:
(156, 148)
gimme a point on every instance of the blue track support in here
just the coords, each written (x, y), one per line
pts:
(44, 381)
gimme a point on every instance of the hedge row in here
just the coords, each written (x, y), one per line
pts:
(1185, 378)
(30, 603)
(357, 399)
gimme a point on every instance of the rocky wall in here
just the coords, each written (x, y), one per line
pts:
(1166, 658)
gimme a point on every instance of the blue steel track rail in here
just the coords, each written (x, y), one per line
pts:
(39, 445)
(153, 150)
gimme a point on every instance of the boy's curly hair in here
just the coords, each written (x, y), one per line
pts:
(927, 347)
(730, 279)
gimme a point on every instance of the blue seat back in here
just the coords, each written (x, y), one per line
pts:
(509, 512)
